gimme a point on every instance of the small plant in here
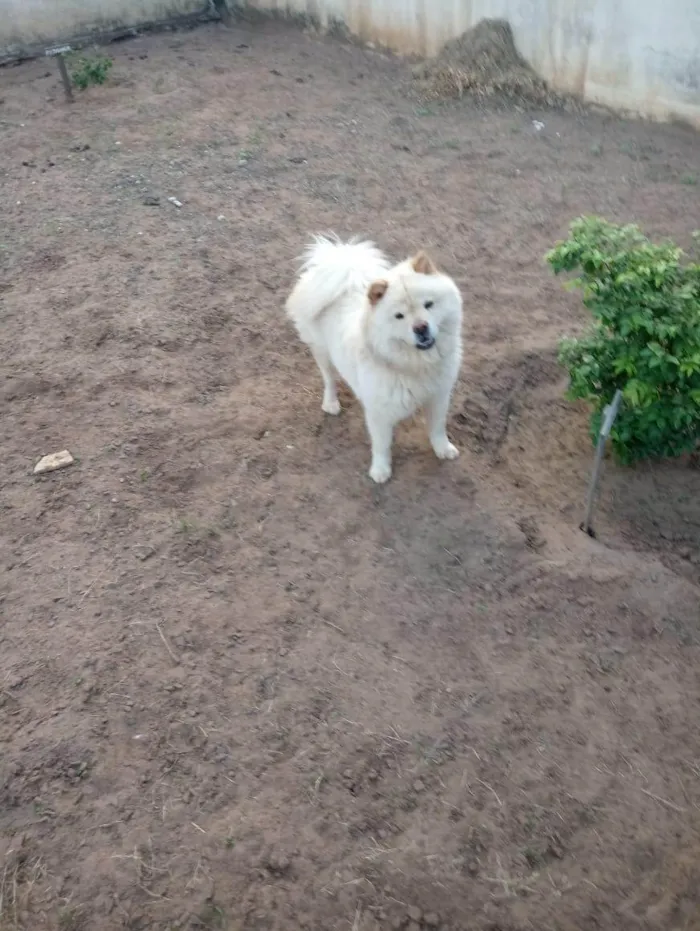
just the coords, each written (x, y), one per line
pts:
(93, 70)
(533, 857)
(645, 337)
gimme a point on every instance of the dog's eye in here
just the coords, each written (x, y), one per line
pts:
(428, 304)
(399, 316)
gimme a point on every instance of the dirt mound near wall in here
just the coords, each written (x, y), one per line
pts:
(483, 61)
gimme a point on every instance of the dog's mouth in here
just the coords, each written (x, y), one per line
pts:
(425, 342)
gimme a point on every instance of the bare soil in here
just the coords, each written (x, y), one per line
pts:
(242, 688)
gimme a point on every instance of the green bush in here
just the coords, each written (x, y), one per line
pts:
(645, 337)
(87, 71)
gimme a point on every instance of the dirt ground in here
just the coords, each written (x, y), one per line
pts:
(242, 688)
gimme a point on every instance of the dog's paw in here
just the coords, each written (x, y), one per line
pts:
(331, 406)
(446, 450)
(380, 473)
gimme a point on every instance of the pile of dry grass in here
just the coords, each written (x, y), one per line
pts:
(485, 62)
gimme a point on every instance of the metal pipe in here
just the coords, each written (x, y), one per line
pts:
(609, 415)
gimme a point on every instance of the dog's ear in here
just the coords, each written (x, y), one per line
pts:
(376, 292)
(423, 264)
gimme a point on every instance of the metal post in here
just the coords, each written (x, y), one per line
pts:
(609, 415)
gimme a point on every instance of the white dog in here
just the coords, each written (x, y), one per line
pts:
(393, 333)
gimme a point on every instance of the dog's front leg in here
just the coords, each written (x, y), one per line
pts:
(381, 434)
(436, 415)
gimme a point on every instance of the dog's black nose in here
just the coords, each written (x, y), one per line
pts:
(421, 330)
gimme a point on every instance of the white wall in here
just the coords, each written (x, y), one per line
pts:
(28, 23)
(640, 55)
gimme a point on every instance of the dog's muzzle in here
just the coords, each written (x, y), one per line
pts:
(423, 337)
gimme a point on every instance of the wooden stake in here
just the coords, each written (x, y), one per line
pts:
(58, 54)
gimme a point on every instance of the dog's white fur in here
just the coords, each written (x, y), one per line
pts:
(392, 332)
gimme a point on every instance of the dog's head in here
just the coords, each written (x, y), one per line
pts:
(415, 305)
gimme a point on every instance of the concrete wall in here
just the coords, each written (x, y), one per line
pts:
(638, 55)
(28, 24)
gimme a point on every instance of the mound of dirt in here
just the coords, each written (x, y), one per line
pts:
(483, 61)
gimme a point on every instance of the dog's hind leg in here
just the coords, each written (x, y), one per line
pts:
(330, 403)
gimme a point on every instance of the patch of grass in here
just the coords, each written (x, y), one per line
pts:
(92, 70)
(689, 179)
(423, 111)
(186, 525)
(252, 145)
(230, 843)
(212, 916)
(144, 475)
(70, 918)
(190, 527)
(597, 149)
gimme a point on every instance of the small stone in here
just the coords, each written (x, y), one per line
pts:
(431, 920)
(414, 926)
(151, 201)
(103, 905)
(278, 864)
(175, 202)
(297, 159)
(53, 461)
(419, 786)
(415, 914)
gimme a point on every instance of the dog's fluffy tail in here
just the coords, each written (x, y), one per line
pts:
(330, 269)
